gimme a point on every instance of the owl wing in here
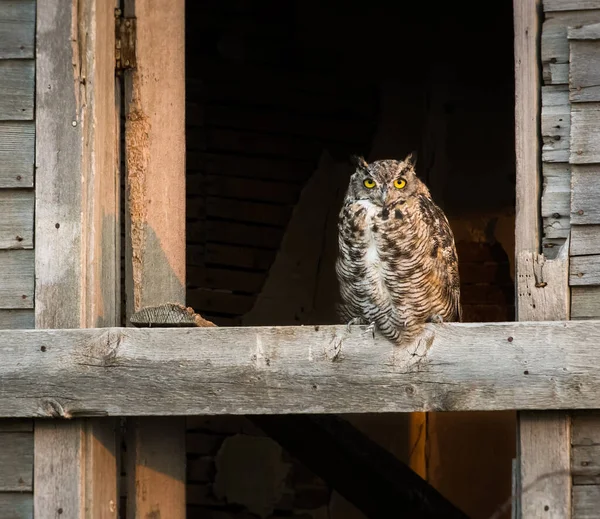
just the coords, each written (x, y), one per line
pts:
(444, 248)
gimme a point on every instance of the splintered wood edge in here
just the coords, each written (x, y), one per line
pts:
(169, 315)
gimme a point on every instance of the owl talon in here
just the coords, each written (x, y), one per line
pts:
(436, 319)
(354, 320)
(371, 328)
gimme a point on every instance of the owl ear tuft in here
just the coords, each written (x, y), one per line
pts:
(358, 161)
(411, 158)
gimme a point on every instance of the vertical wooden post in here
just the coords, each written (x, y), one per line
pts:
(155, 233)
(76, 231)
(542, 285)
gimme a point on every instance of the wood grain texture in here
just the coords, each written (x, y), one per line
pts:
(585, 302)
(76, 232)
(17, 29)
(556, 191)
(131, 371)
(17, 287)
(585, 501)
(17, 87)
(527, 115)
(570, 5)
(584, 78)
(585, 428)
(556, 123)
(554, 38)
(16, 505)
(17, 156)
(585, 270)
(16, 425)
(17, 319)
(585, 194)
(16, 461)
(16, 219)
(585, 239)
(585, 133)
(155, 246)
(584, 32)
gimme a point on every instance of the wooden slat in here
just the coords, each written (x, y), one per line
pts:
(237, 280)
(527, 116)
(16, 219)
(17, 87)
(17, 319)
(17, 145)
(16, 289)
(16, 425)
(554, 41)
(585, 194)
(584, 32)
(584, 78)
(556, 227)
(16, 461)
(236, 233)
(322, 369)
(556, 123)
(556, 193)
(585, 428)
(17, 28)
(585, 270)
(585, 239)
(570, 5)
(251, 189)
(219, 301)
(16, 506)
(229, 255)
(155, 148)
(585, 464)
(585, 133)
(585, 501)
(585, 302)
(76, 233)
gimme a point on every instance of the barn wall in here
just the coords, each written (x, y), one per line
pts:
(17, 138)
(571, 200)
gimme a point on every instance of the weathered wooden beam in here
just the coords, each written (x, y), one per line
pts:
(155, 232)
(76, 237)
(367, 475)
(323, 369)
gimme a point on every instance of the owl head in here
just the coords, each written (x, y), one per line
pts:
(385, 182)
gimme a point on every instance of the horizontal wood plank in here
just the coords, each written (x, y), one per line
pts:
(306, 369)
(585, 302)
(584, 32)
(16, 218)
(555, 73)
(570, 5)
(584, 270)
(16, 289)
(556, 191)
(16, 461)
(585, 428)
(584, 79)
(585, 239)
(17, 152)
(585, 194)
(15, 319)
(585, 133)
(586, 501)
(16, 505)
(17, 29)
(17, 87)
(556, 227)
(585, 464)
(16, 425)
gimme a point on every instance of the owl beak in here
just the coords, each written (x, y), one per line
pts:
(383, 195)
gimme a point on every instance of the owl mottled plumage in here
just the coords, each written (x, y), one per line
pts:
(397, 264)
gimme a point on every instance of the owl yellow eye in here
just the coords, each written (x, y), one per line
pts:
(369, 183)
(399, 183)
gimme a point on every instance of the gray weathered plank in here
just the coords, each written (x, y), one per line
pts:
(11, 319)
(584, 270)
(556, 73)
(585, 133)
(527, 119)
(16, 505)
(16, 461)
(556, 123)
(584, 78)
(16, 425)
(585, 239)
(17, 87)
(556, 191)
(17, 28)
(16, 219)
(326, 369)
(585, 194)
(585, 464)
(570, 5)
(556, 227)
(17, 151)
(554, 39)
(586, 499)
(584, 32)
(585, 302)
(16, 289)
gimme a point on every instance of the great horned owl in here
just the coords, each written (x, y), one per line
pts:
(397, 264)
